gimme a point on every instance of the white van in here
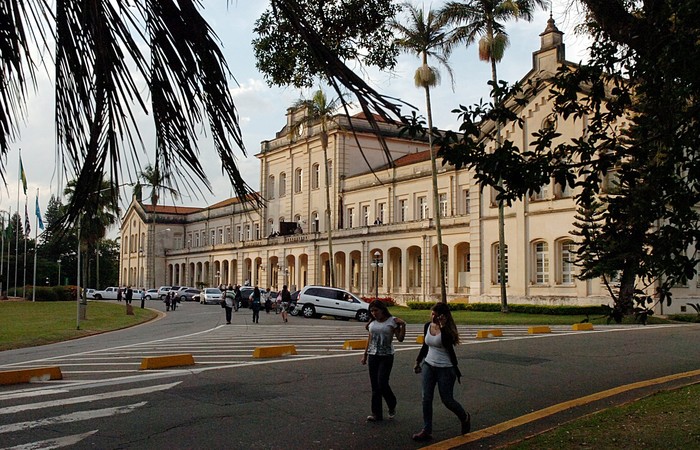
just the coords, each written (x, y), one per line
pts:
(315, 301)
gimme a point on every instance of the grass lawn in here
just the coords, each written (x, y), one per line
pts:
(665, 420)
(28, 324)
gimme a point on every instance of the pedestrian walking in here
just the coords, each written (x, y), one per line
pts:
(143, 298)
(237, 297)
(166, 300)
(119, 294)
(228, 305)
(255, 304)
(379, 357)
(286, 297)
(266, 297)
(128, 295)
(173, 300)
(439, 367)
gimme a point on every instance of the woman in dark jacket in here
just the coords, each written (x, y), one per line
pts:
(255, 304)
(439, 367)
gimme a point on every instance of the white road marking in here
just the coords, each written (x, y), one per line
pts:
(88, 398)
(72, 417)
(63, 441)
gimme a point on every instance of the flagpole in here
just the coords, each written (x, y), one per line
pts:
(36, 245)
(17, 228)
(24, 260)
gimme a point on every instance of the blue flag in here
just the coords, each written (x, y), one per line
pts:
(38, 214)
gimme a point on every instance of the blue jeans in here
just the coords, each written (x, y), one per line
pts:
(379, 373)
(445, 378)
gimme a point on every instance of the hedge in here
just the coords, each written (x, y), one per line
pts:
(559, 310)
(52, 293)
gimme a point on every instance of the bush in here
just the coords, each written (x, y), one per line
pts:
(694, 318)
(53, 293)
(388, 301)
(564, 310)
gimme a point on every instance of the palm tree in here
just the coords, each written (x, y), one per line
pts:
(484, 20)
(320, 111)
(98, 214)
(425, 35)
(157, 181)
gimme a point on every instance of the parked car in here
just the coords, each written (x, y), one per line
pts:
(210, 295)
(151, 294)
(316, 301)
(189, 294)
(89, 293)
(163, 290)
(109, 293)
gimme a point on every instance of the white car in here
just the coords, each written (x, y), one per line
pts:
(315, 301)
(210, 295)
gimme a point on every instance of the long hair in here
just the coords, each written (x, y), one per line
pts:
(450, 327)
(380, 305)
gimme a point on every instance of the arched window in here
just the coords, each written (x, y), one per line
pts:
(271, 186)
(314, 222)
(566, 261)
(540, 251)
(283, 184)
(297, 180)
(315, 176)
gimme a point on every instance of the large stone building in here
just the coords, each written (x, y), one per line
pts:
(383, 234)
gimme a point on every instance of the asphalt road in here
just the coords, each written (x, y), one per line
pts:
(318, 398)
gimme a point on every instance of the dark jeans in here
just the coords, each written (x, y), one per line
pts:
(379, 373)
(445, 378)
(228, 314)
(256, 313)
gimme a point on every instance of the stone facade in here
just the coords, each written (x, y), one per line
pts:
(383, 234)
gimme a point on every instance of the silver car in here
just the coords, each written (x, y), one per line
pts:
(316, 301)
(210, 295)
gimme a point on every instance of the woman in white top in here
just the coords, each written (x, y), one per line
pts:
(379, 356)
(439, 368)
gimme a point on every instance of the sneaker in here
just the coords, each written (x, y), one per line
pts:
(422, 436)
(392, 413)
(373, 418)
(467, 424)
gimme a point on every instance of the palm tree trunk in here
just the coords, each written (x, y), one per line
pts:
(501, 212)
(329, 225)
(436, 198)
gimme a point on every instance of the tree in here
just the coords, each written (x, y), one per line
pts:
(320, 110)
(426, 36)
(636, 165)
(483, 19)
(158, 182)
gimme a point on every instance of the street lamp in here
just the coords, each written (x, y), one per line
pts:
(377, 264)
(59, 271)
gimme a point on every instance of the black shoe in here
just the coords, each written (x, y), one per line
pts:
(373, 418)
(467, 424)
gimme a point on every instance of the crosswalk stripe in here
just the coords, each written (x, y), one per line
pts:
(63, 441)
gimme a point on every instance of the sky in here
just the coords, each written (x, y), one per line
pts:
(262, 108)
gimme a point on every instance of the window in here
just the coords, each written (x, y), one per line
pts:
(283, 184)
(246, 232)
(315, 224)
(256, 230)
(297, 180)
(422, 208)
(196, 239)
(381, 208)
(221, 235)
(213, 237)
(228, 234)
(402, 211)
(465, 201)
(562, 191)
(541, 250)
(543, 194)
(270, 227)
(271, 186)
(567, 262)
(497, 259)
(365, 215)
(315, 176)
(239, 233)
(443, 204)
(351, 216)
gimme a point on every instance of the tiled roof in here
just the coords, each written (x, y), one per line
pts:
(413, 158)
(165, 209)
